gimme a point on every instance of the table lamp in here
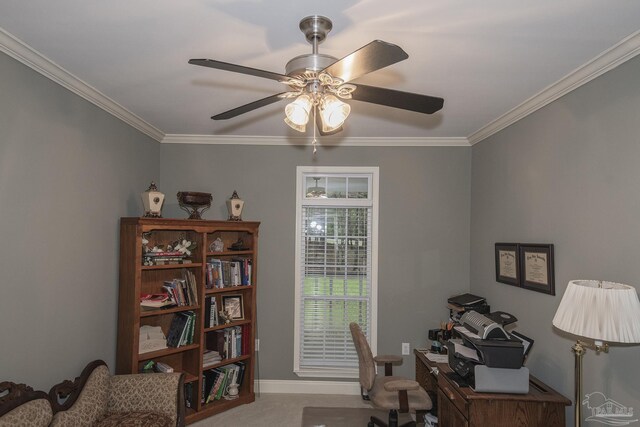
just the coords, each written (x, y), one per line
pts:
(605, 312)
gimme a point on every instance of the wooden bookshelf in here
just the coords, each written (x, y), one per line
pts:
(137, 279)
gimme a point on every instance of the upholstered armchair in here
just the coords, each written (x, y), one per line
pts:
(397, 394)
(96, 398)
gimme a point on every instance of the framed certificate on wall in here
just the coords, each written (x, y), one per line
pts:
(507, 264)
(536, 261)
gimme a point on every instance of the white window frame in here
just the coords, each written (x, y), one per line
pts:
(301, 200)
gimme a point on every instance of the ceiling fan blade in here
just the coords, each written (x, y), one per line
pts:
(250, 106)
(371, 57)
(395, 98)
(319, 127)
(211, 63)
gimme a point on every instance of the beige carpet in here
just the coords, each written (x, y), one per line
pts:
(279, 410)
(344, 417)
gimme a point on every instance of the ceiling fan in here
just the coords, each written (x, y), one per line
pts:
(318, 82)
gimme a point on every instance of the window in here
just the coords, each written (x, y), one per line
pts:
(336, 267)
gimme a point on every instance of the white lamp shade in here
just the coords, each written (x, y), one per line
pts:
(333, 112)
(603, 311)
(297, 112)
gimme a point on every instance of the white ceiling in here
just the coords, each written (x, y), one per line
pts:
(483, 57)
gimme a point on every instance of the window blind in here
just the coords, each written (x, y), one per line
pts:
(335, 286)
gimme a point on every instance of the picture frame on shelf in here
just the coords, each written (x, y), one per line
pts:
(537, 265)
(507, 263)
(233, 306)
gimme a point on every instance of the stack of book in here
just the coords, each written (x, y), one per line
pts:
(164, 258)
(151, 339)
(223, 274)
(228, 342)
(215, 381)
(153, 301)
(182, 329)
(182, 291)
(211, 357)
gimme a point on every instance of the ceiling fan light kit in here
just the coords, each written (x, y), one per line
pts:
(317, 81)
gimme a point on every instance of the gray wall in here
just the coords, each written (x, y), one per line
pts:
(424, 231)
(567, 175)
(68, 171)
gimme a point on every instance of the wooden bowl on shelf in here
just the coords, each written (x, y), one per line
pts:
(194, 203)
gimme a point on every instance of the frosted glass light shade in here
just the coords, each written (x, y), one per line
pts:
(297, 112)
(333, 113)
(603, 311)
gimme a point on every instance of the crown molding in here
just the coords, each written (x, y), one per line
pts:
(22, 52)
(606, 61)
(322, 141)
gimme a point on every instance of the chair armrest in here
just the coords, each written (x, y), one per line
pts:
(162, 393)
(388, 360)
(398, 385)
(402, 386)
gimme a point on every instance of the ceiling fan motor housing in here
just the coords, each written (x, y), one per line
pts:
(315, 29)
(315, 62)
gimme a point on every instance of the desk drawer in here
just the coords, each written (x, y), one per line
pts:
(450, 390)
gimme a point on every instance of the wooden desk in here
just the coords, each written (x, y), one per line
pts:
(462, 407)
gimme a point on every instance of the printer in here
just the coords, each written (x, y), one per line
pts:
(489, 359)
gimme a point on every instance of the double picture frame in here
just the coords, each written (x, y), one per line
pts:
(526, 265)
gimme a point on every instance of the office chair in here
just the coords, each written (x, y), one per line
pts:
(387, 392)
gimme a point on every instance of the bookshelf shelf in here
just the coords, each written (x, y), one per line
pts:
(228, 253)
(228, 361)
(165, 352)
(233, 339)
(171, 266)
(162, 311)
(231, 289)
(227, 325)
(189, 378)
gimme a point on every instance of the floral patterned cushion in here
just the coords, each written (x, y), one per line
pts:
(35, 413)
(145, 393)
(91, 404)
(136, 419)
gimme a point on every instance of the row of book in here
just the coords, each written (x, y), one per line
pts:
(165, 258)
(211, 317)
(223, 273)
(183, 291)
(215, 381)
(182, 329)
(228, 342)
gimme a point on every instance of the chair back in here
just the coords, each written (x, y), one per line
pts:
(366, 364)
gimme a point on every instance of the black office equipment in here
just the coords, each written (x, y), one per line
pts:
(466, 300)
(483, 326)
(500, 353)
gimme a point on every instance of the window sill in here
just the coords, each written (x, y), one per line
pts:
(327, 373)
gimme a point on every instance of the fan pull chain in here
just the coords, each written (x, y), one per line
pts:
(314, 130)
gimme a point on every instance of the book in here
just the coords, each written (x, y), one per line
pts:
(155, 300)
(208, 381)
(216, 385)
(162, 367)
(188, 395)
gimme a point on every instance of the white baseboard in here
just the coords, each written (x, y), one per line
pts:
(308, 387)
